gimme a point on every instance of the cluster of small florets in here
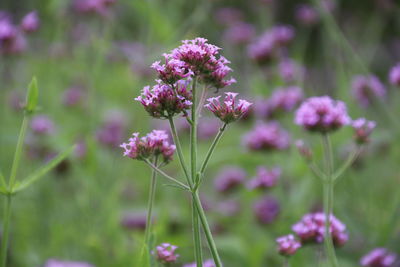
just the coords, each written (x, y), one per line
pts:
(378, 257)
(42, 125)
(394, 75)
(266, 46)
(284, 100)
(290, 71)
(267, 137)
(13, 37)
(266, 210)
(362, 130)
(229, 111)
(311, 229)
(164, 100)
(203, 60)
(100, 7)
(172, 71)
(287, 245)
(111, 132)
(147, 147)
(367, 88)
(322, 114)
(265, 178)
(165, 253)
(229, 178)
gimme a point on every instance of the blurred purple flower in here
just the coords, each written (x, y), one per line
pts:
(284, 100)
(229, 207)
(30, 23)
(303, 149)
(290, 71)
(267, 137)
(42, 125)
(239, 33)
(165, 253)
(132, 221)
(322, 114)
(287, 245)
(58, 263)
(307, 14)
(228, 15)
(379, 257)
(100, 7)
(311, 229)
(72, 96)
(229, 111)
(362, 130)
(266, 210)
(366, 88)
(394, 75)
(265, 178)
(229, 178)
(207, 128)
(111, 133)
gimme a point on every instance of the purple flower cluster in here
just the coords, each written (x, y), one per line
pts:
(229, 111)
(172, 71)
(164, 100)
(229, 178)
(58, 263)
(311, 229)
(239, 33)
(133, 221)
(111, 132)
(267, 137)
(394, 75)
(267, 45)
(12, 37)
(100, 7)
(322, 114)
(290, 71)
(265, 178)
(366, 88)
(287, 245)
(307, 15)
(72, 96)
(378, 257)
(362, 130)
(42, 125)
(284, 100)
(153, 144)
(165, 253)
(266, 210)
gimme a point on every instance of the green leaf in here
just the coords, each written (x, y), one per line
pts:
(32, 96)
(42, 171)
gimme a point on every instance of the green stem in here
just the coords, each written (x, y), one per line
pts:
(166, 175)
(4, 243)
(193, 167)
(211, 149)
(350, 160)
(286, 262)
(328, 201)
(18, 152)
(207, 231)
(150, 202)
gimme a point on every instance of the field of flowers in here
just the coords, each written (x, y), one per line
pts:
(150, 133)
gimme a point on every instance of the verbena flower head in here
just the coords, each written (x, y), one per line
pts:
(287, 245)
(43, 125)
(230, 110)
(265, 178)
(367, 88)
(290, 71)
(153, 144)
(164, 101)
(172, 71)
(311, 229)
(266, 210)
(58, 263)
(229, 178)
(307, 14)
(30, 23)
(378, 257)
(165, 253)
(204, 61)
(362, 130)
(394, 75)
(322, 114)
(267, 137)
(284, 100)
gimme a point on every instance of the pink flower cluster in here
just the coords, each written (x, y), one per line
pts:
(267, 45)
(366, 88)
(378, 257)
(394, 75)
(13, 37)
(362, 130)
(311, 229)
(153, 144)
(265, 178)
(172, 71)
(165, 253)
(322, 114)
(266, 137)
(229, 111)
(287, 245)
(165, 101)
(42, 125)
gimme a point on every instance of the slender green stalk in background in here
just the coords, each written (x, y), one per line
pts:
(193, 167)
(150, 202)
(4, 242)
(328, 200)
